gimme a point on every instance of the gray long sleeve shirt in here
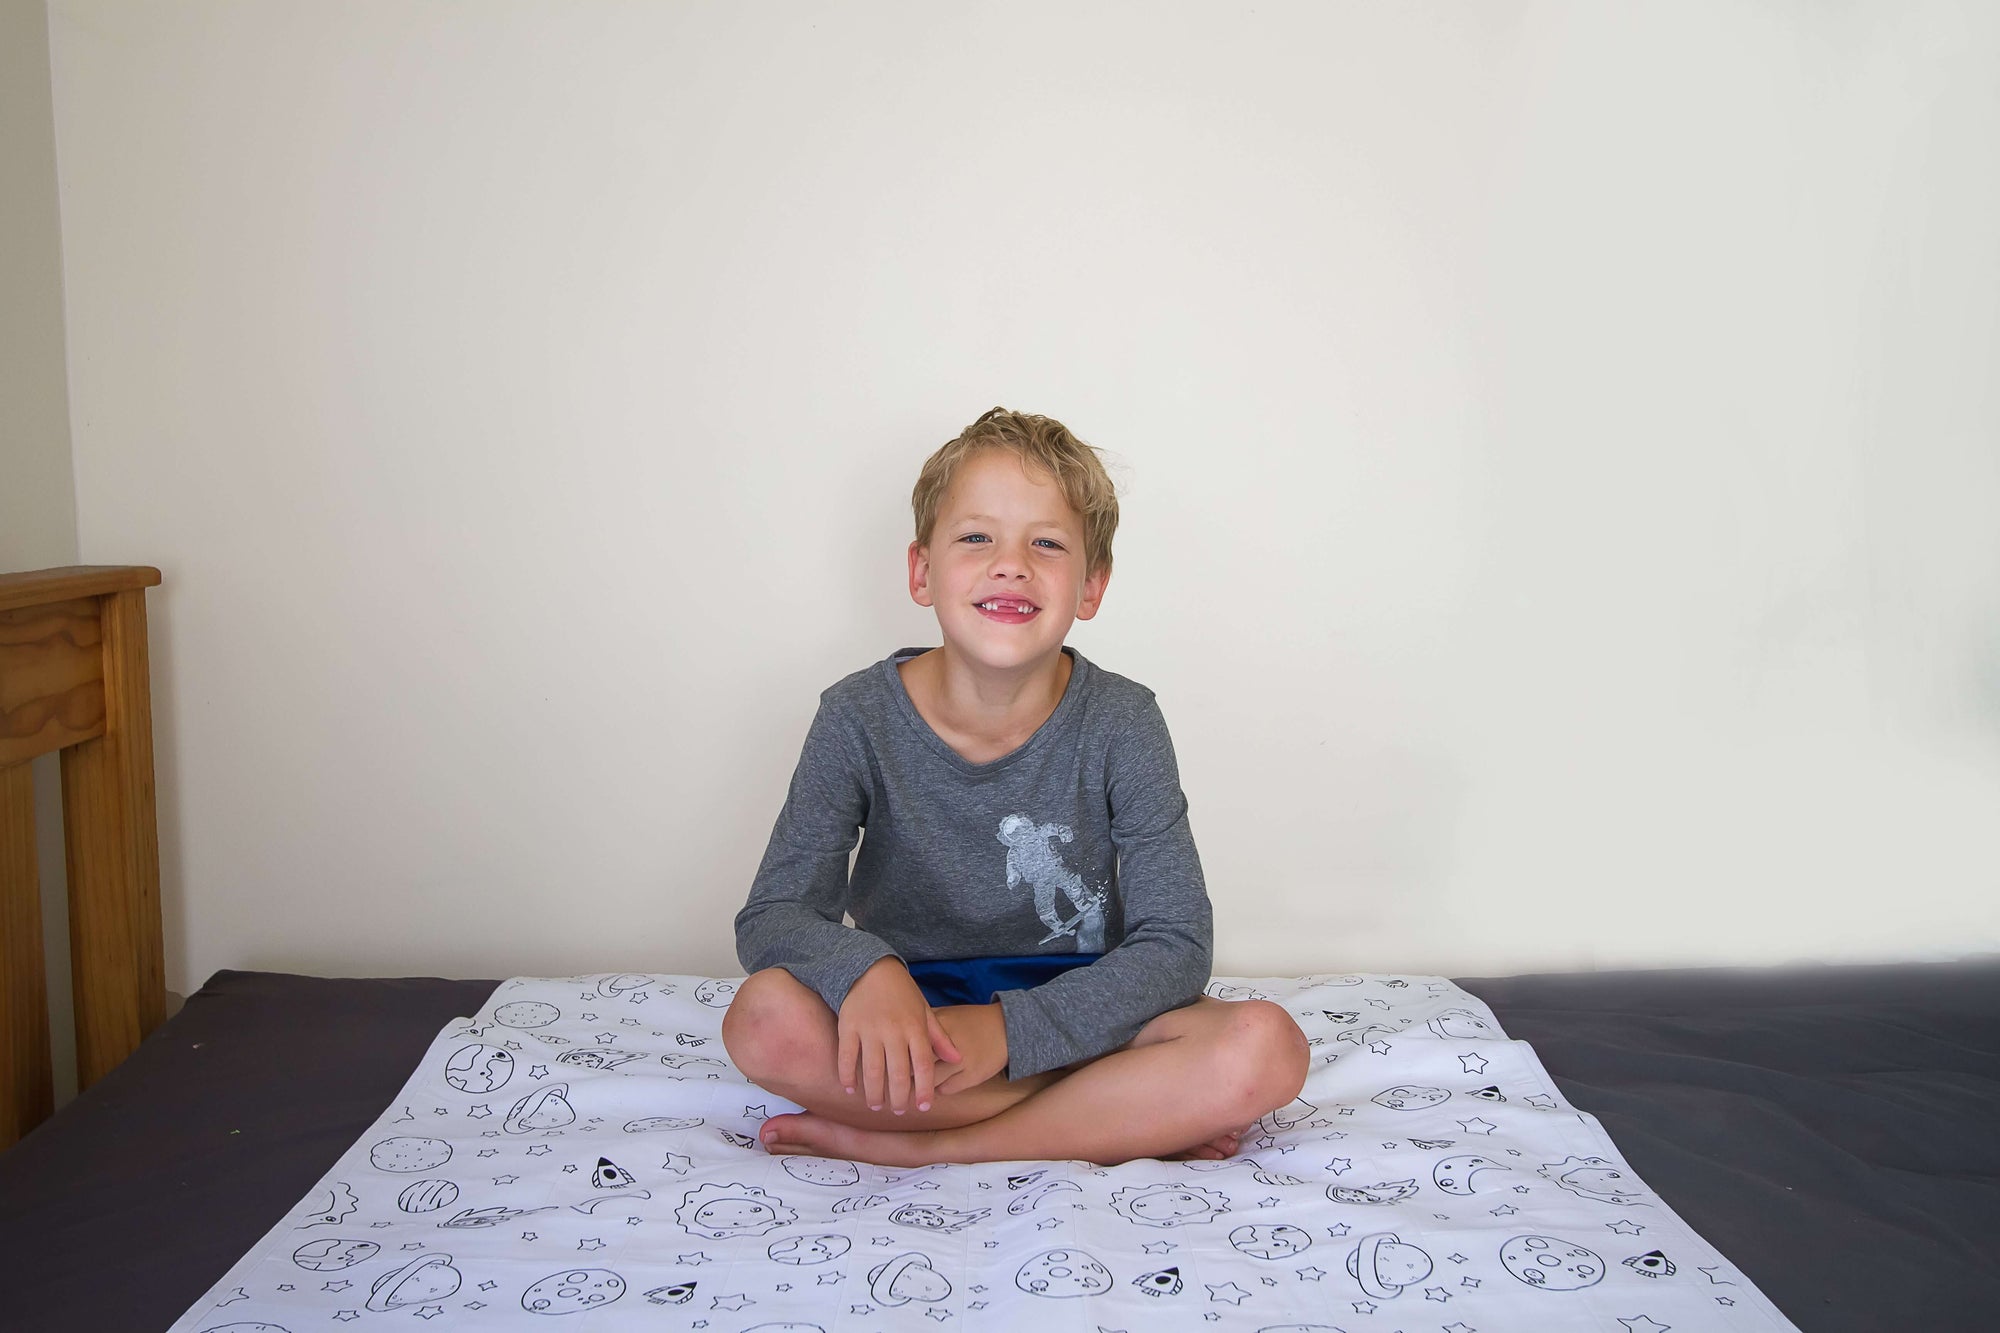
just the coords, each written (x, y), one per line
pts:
(1075, 842)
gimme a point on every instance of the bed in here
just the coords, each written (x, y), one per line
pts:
(1831, 1130)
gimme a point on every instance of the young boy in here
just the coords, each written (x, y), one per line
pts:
(1023, 979)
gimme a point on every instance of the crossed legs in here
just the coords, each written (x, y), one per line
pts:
(1194, 1076)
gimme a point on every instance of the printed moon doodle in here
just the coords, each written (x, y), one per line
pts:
(1454, 1175)
(821, 1171)
(574, 1290)
(1551, 1264)
(691, 1062)
(331, 1205)
(408, 1153)
(1063, 1273)
(1033, 1199)
(526, 1014)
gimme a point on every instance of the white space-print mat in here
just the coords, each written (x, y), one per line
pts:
(580, 1154)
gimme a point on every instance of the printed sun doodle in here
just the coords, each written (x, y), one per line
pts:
(581, 1153)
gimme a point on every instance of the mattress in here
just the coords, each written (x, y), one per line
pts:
(1829, 1130)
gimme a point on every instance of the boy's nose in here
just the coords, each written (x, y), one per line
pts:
(1009, 561)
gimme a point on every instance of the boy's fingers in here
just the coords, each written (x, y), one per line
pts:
(899, 1079)
(941, 1042)
(850, 1057)
(871, 1074)
(920, 1066)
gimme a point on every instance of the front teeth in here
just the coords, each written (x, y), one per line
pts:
(996, 606)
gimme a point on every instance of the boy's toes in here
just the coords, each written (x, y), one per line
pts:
(1219, 1148)
(780, 1134)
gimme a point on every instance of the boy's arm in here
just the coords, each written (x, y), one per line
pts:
(793, 917)
(1163, 961)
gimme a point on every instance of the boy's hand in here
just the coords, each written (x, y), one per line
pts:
(889, 1034)
(980, 1033)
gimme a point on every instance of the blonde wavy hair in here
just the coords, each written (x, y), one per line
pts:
(1042, 444)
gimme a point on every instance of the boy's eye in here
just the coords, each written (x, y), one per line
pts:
(980, 537)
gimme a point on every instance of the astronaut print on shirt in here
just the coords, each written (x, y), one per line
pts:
(1064, 903)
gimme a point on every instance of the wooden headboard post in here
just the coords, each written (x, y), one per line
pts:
(73, 678)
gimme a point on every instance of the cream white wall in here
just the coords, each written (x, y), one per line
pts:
(37, 487)
(1559, 450)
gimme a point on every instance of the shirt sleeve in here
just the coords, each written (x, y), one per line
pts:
(1163, 960)
(793, 917)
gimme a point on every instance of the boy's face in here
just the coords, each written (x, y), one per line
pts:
(1004, 532)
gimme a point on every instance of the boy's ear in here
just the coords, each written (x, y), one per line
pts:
(920, 574)
(1093, 594)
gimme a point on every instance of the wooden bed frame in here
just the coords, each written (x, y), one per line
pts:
(73, 678)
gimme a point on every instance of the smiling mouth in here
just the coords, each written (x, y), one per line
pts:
(1007, 610)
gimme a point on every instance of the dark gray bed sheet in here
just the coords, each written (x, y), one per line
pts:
(1834, 1131)
(1831, 1130)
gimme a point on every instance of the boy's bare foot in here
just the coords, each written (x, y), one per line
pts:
(818, 1136)
(1217, 1149)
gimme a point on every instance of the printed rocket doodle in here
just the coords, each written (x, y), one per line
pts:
(506, 1187)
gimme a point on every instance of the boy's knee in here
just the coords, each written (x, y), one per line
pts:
(767, 1026)
(1268, 1056)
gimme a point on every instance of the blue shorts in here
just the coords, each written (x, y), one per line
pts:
(975, 980)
